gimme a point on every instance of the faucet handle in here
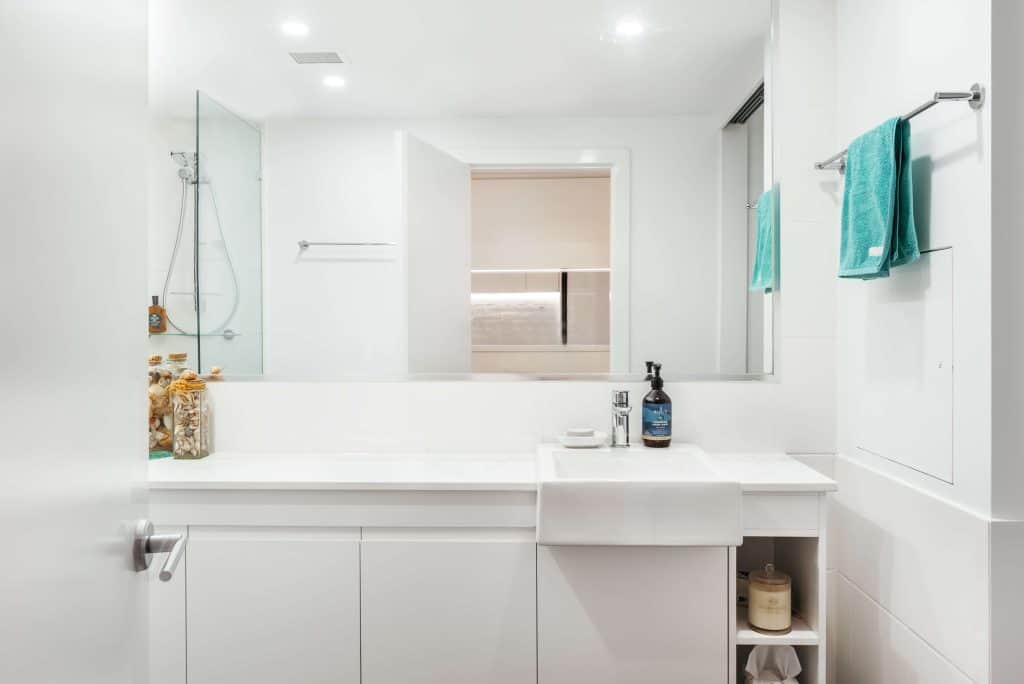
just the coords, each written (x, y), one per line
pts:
(620, 398)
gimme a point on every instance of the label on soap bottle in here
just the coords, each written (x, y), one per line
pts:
(657, 421)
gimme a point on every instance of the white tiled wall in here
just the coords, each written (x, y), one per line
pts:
(914, 560)
(875, 647)
(921, 590)
(892, 55)
(514, 416)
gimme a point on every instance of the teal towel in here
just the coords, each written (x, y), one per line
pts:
(763, 274)
(878, 203)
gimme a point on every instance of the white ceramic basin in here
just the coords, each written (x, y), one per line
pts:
(635, 497)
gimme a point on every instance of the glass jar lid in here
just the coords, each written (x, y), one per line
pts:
(770, 576)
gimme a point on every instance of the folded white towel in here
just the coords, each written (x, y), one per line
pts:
(772, 665)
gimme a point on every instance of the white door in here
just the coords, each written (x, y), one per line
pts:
(436, 231)
(72, 339)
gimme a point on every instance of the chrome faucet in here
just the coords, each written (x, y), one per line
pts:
(620, 418)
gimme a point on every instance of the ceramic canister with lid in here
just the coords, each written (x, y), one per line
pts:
(770, 600)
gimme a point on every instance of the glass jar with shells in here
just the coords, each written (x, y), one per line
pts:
(159, 408)
(191, 416)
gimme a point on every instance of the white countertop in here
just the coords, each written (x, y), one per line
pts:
(771, 472)
(756, 472)
(378, 471)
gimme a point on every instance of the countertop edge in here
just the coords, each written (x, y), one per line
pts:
(806, 481)
(241, 485)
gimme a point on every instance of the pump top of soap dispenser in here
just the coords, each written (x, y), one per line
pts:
(650, 373)
(656, 381)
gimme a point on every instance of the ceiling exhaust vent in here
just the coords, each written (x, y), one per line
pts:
(317, 58)
(748, 108)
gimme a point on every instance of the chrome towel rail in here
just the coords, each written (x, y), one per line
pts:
(305, 244)
(975, 97)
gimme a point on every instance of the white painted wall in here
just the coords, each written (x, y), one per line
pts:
(337, 179)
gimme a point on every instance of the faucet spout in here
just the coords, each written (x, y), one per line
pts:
(620, 418)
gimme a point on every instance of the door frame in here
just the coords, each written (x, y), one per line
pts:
(617, 162)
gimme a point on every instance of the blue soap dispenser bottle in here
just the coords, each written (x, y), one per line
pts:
(657, 412)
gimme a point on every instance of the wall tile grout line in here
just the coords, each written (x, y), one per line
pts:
(910, 629)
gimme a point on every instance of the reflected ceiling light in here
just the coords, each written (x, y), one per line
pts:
(334, 81)
(629, 28)
(294, 28)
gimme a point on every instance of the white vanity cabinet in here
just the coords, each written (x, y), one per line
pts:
(272, 604)
(607, 615)
(353, 580)
(444, 606)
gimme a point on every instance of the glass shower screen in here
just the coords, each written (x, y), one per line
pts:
(228, 240)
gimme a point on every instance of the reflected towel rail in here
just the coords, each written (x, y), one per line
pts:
(305, 244)
(975, 97)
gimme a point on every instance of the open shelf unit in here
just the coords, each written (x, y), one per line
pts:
(803, 559)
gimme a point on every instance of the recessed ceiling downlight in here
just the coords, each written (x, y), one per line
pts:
(629, 28)
(317, 58)
(294, 28)
(334, 81)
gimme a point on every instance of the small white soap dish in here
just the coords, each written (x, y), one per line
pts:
(583, 438)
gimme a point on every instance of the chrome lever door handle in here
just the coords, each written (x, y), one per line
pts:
(146, 544)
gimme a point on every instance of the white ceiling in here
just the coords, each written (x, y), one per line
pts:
(414, 58)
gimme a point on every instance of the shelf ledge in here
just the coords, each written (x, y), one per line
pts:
(800, 635)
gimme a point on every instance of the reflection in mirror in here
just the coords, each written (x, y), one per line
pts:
(541, 283)
(384, 199)
(744, 313)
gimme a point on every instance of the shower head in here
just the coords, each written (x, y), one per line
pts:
(187, 164)
(181, 158)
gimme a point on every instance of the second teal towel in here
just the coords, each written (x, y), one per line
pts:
(878, 203)
(763, 276)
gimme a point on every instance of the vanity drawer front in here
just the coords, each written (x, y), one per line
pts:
(776, 515)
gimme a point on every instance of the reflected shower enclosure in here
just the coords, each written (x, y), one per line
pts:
(211, 266)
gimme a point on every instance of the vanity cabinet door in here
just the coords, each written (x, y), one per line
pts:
(269, 605)
(167, 618)
(608, 615)
(454, 607)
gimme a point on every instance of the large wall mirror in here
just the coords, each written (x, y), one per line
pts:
(403, 189)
